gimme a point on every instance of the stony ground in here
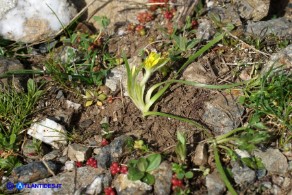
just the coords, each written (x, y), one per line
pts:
(237, 58)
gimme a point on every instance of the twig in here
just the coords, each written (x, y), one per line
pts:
(250, 46)
(48, 168)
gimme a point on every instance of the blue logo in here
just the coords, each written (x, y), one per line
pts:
(19, 186)
(9, 186)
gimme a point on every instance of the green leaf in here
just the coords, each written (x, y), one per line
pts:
(180, 175)
(135, 174)
(181, 151)
(142, 164)
(189, 175)
(12, 138)
(149, 179)
(154, 161)
(181, 137)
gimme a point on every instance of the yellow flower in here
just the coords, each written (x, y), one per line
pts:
(152, 61)
(138, 144)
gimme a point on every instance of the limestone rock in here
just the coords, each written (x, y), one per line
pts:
(222, 114)
(124, 186)
(284, 57)
(49, 132)
(280, 27)
(253, 9)
(78, 152)
(274, 161)
(31, 21)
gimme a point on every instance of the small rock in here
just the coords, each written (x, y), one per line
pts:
(33, 172)
(282, 58)
(222, 114)
(52, 155)
(242, 153)
(214, 184)
(267, 184)
(287, 182)
(163, 176)
(63, 159)
(104, 156)
(118, 146)
(30, 150)
(278, 180)
(6, 65)
(49, 132)
(70, 165)
(280, 27)
(243, 175)
(225, 14)
(274, 161)
(116, 75)
(253, 9)
(69, 55)
(85, 124)
(261, 173)
(78, 152)
(205, 30)
(200, 157)
(124, 186)
(63, 116)
(197, 73)
(60, 95)
(73, 105)
(276, 189)
(98, 184)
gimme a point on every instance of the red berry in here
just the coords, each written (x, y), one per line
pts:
(104, 142)
(115, 164)
(124, 169)
(78, 164)
(168, 15)
(109, 191)
(195, 24)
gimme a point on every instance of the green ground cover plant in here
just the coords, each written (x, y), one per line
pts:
(16, 109)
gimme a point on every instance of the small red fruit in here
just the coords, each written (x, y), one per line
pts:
(78, 164)
(168, 15)
(109, 191)
(104, 142)
(195, 24)
(124, 169)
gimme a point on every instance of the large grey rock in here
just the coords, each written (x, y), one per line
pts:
(214, 184)
(242, 174)
(222, 114)
(31, 20)
(280, 27)
(274, 161)
(124, 186)
(282, 58)
(70, 181)
(163, 176)
(225, 14)
(253, 9)
(33, 171)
